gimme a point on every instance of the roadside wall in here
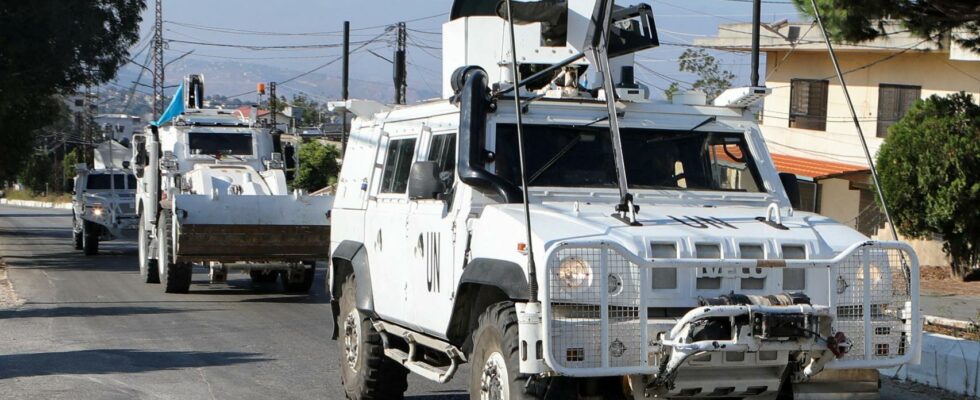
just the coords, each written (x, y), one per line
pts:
(35, 204)
(947, 363)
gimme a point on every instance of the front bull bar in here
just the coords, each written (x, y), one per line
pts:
(871, 297)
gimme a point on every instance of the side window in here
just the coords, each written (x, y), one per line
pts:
(808, 104)
(442, 150)
(893, 102)
(398, 163)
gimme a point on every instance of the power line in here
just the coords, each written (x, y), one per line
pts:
(328, 63)
(237, 31)
(258, 47)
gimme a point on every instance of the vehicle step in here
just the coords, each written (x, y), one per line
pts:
(414, 360)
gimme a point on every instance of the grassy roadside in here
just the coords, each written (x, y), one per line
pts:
(26, 195)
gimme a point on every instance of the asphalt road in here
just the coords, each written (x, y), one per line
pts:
(89, 329)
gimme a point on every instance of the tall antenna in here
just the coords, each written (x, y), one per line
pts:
(532, 274)
(158, 61)
(345, 82)
(854, 117)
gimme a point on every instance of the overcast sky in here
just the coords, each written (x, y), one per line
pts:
(318, 22)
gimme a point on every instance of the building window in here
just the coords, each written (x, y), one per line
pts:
(893, 102)
(869, 218)
(398, 163)
(808, 196)
(808, 104)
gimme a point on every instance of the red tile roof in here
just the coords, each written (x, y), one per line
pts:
(816, 169)
(247, 111)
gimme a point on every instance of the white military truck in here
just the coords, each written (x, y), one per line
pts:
(627, 248)
(103, 201)
(211, 190)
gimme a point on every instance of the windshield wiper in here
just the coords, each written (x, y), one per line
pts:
(561, 153)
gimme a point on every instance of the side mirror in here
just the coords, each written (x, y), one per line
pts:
(140, 157)
(424, 182)
(792, 186)
(70, 186)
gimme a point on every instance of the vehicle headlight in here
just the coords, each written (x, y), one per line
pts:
(575, 272)
(97, 211)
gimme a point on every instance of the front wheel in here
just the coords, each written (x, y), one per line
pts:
(366, 373)
(262, 276)
(495, 373)
(176, 277)
(299, 281)
(148, 267)
(76, 235)
(90, 238)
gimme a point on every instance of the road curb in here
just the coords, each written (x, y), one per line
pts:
(948, 363)
(35, 204)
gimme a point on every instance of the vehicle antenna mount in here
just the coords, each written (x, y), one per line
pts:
(626, 210)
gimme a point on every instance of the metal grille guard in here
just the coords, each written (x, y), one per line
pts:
(871, 295)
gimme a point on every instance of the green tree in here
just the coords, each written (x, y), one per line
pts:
(310, 110)
(930, 172)
(49, 48)
(712, 80)
(861, 20)
(318, 166)
(68, 164)
(37, 173)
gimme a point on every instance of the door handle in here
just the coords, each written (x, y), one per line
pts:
(377, 242)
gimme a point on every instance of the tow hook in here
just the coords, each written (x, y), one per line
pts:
(839, 344)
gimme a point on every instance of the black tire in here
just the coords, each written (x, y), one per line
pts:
(90, 238)
(260, 276)
(496, 337)
(149, 270)
(370, 375)
(302, 285)
(175, 277)
(76, 236)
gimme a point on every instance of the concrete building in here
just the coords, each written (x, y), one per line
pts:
(264, 117)
(806, 121)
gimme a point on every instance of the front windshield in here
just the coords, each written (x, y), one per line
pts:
(101, 182)
(568, 156)
(218, 144)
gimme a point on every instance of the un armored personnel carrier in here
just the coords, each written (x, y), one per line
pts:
(211, 190)
(103, 201)
(577, 241)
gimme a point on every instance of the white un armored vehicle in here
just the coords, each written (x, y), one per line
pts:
(645, 249)
(103, 200)
(212, 190)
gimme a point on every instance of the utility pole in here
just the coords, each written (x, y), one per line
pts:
(346, 81)
(158, 61)
(272, 104)
(401, 71)
(756, 24)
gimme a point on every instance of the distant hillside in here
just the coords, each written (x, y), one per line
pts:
(229, 78)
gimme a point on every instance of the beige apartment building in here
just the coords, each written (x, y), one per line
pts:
(808, 126)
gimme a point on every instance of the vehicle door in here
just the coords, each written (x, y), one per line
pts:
(384, 231)
(432, 233)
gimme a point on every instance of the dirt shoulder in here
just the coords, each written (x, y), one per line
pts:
(8, 298)
(939, 281)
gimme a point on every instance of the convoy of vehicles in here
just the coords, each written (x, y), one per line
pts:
(211, 190)
(568, 241)
(626, 248)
